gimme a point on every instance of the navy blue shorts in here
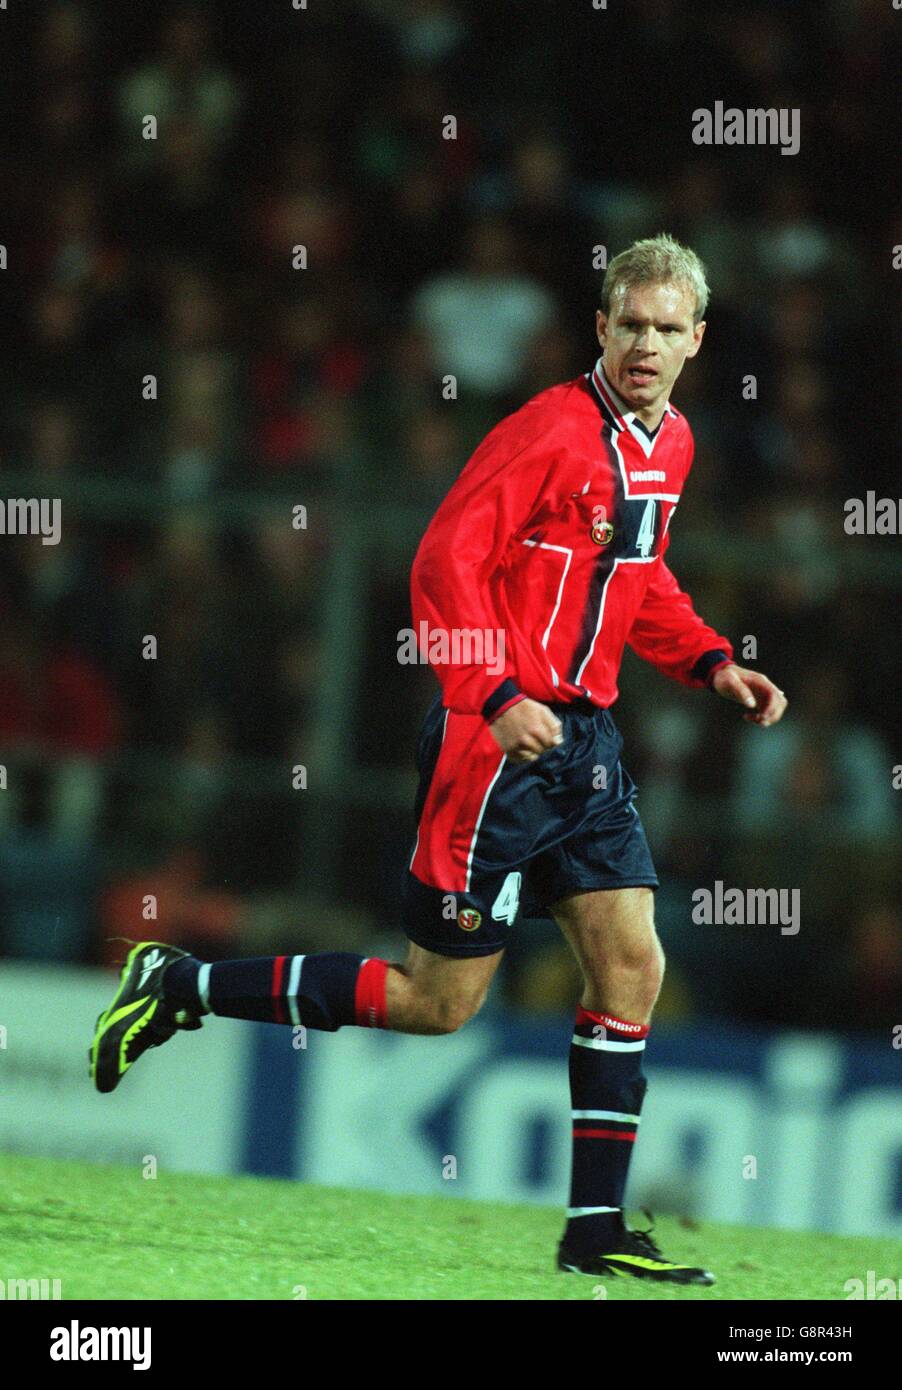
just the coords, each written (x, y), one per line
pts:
(497, 839)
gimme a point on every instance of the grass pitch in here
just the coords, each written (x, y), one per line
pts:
(109, 1233)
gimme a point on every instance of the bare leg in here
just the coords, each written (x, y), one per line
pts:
(612, 934)
(431, 994)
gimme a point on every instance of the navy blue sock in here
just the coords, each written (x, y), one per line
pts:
(606, 1089)
(319, 991)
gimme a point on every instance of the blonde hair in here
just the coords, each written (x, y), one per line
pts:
(657, 260)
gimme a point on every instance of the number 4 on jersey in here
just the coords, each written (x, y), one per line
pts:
(504, 908)
(646, 535)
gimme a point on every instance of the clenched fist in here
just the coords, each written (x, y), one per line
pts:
(526, 731)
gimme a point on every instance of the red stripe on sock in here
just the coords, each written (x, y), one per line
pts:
(369, 994)
(278, 970)
(612, 1024)
(604, 1134)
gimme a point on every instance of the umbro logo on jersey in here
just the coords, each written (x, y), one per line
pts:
(648, 475)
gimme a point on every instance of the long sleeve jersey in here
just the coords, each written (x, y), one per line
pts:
(548, 553)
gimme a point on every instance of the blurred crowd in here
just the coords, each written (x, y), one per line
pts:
(247, 248)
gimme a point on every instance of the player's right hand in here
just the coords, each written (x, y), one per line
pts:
(526, 731)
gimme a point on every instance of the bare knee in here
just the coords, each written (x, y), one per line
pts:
(431, 994)
(449, 1013)
(643, 958)
(631, 972)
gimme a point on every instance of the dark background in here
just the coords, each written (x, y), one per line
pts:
(322, 387)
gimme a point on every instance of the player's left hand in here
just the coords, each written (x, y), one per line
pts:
(765, 703)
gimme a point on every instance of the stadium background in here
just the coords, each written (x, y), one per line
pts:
(322, 387)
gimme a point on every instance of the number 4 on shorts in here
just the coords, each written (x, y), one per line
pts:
(504, 908)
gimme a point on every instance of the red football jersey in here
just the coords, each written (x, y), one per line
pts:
(553, 538)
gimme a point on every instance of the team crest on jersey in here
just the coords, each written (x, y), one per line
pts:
(602, 532)
(468, 919)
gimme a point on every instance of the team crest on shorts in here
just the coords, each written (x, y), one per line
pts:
(602, 532)
(468, 919)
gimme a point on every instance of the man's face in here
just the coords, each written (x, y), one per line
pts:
(646, 338)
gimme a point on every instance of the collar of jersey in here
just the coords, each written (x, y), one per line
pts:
(623, 415)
